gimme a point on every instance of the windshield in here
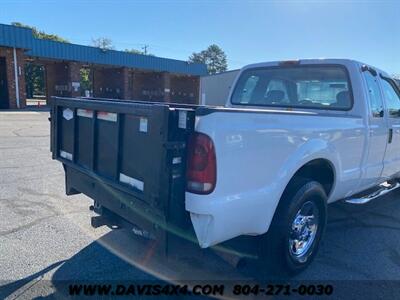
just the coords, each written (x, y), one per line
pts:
(324, 87)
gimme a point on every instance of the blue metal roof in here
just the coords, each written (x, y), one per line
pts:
(18, 37)
(13, 36)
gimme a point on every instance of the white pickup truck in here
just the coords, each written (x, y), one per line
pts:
(294, 136)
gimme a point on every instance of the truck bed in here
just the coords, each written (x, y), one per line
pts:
(129, 156)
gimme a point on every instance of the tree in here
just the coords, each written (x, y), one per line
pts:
(103, 43)
(214, 57)
(34, 77)
(136, 51)
(39, 34)
(86, 83)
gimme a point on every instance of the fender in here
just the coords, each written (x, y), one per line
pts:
(311, 150)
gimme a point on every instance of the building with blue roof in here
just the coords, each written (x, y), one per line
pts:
(113, 74)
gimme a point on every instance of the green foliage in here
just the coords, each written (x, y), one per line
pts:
(214, 57)
(136, 51)
(103, 43)
(41, 34)
(34, 77)
(86, 83)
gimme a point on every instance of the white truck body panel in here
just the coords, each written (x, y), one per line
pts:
(215, 89)
(258, 150)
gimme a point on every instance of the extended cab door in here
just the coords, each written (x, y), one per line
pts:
(391, 96)
(378, 131)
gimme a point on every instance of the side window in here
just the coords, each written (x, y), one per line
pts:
(375, 99)
(392, 98)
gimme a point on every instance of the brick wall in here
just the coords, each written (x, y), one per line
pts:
(167, 86)
(119, 83)
(74, 73)
(148, 86)
(185, 89)
(60, 77)
(126, 84)
(9, 56)
(111, 83)
(57, 80)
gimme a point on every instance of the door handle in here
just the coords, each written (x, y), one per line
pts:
(390, 135)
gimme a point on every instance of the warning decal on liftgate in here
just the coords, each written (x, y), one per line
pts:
(66, 155)
(87, 113)
(176, 160)
(138, 184)
(143, 124)
(182, 119)
(68, 114)
(107, 116)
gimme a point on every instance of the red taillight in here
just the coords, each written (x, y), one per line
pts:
(201, 166)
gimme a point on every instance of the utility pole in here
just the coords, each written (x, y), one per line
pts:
(145, 49)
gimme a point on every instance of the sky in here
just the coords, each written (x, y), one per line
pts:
(248, 31)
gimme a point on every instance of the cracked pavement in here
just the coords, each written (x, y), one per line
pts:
(46, 236)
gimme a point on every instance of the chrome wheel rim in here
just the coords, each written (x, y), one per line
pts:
(303, 231)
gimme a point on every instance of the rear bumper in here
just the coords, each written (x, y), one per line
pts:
(167, 231)
(171, 230)
(218, 219)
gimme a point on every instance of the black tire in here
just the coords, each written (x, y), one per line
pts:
(276, 258)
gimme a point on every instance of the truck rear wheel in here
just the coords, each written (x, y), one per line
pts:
(293, 238)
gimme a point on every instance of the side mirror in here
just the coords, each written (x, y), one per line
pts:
(365, 68)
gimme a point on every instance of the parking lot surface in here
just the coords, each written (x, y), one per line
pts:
(46, 237)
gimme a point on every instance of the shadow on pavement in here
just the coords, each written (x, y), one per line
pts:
(360, 254)
(119, 257)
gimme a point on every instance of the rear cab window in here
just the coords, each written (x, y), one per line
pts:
(301, 86)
